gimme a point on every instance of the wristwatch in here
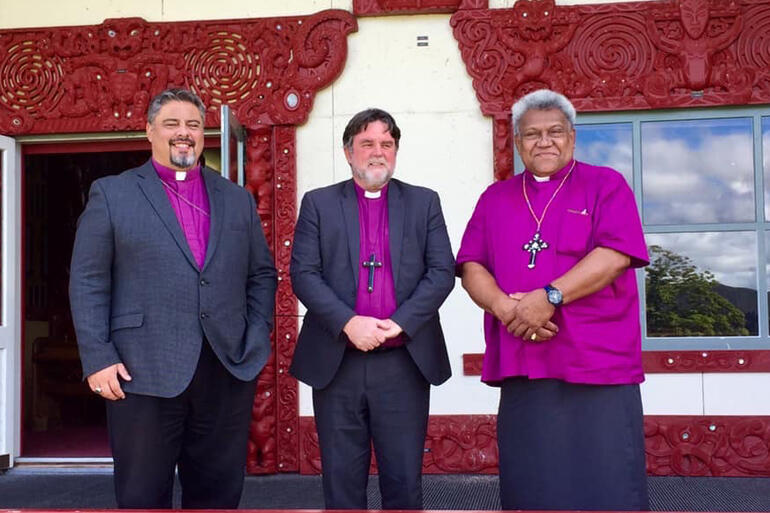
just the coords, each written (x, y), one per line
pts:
(554, 295)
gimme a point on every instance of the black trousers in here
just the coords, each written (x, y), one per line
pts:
(378, 398)
(203, 431)
(566, 446)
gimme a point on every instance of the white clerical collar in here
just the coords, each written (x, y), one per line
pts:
(372, 194)
(180, 176)
(541, 178)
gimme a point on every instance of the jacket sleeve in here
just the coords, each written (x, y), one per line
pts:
(262, 279)
(439, 277)
(307, 272)
(91, 283)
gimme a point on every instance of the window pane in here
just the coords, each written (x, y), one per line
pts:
(698, 171)
(701, 284)
(607, 145)
(766, 163)
(767, 258)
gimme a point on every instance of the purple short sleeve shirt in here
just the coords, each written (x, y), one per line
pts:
(599, 339)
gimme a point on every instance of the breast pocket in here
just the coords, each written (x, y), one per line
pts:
(575, 232)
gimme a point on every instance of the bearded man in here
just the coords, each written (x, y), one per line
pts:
(372, 263)
(172, 288)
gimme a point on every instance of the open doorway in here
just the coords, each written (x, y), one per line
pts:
(61, 417)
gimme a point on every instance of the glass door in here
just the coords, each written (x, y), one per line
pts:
(233, 141)
(10, 333)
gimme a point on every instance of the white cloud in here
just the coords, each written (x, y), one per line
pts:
(730, 256)
(698, 176)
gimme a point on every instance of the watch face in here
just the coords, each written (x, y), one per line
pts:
(554, 296)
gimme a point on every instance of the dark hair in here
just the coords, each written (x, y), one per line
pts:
(360, 121)
(174, 95)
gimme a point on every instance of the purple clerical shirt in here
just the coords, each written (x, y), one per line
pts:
(191, 205)
(375, 240)
(599, 338)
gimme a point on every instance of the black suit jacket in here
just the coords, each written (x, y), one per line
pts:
(324, 273)
(138, 297)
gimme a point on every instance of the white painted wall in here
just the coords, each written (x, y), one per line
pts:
(446, 145)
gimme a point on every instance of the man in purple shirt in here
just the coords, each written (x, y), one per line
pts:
(372, 263)
(549, 254)
(172, 291)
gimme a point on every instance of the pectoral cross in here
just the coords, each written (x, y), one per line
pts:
(371, 264)
(533, 247)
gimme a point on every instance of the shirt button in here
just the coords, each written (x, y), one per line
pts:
(204, 282)
(204, 315)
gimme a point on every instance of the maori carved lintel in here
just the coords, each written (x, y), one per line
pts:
(386, 7)
(616, 56)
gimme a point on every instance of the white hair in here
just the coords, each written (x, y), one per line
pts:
(542, 99)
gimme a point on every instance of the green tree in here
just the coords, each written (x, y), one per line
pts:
(683, 302)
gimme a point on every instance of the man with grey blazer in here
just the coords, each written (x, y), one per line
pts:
(372, 263)
(172, 291)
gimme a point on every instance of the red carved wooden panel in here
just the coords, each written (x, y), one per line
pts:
(259, 181)
(100, 78)
(285, 209)
(706, 361)
(674, 362)
(707, 446)
(615, 56)
(675, 445)
(384, 7)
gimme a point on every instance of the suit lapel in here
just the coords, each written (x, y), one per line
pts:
(151, 186)
(349, 204)
(396, 218)
(217, 206)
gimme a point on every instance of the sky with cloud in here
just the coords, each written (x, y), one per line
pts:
(694, 172)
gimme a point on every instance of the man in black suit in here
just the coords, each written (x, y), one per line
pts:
(172, 291)
(372, 263)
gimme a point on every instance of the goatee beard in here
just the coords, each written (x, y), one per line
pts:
(182, 161)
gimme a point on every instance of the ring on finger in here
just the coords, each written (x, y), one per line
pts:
(533, 337)
(98, 390)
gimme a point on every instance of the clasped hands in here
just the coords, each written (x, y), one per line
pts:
(527, 315)
(367, 333)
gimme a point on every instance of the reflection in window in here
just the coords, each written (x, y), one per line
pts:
(701, 284)
(766, 163)
(698, 171)
(607, 144)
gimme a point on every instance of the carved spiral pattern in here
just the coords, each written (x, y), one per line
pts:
(754, 41)
(225, 72)
(28, 80)
(612, 44)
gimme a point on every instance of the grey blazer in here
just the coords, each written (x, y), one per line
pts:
(324, 274)
(138, 296)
